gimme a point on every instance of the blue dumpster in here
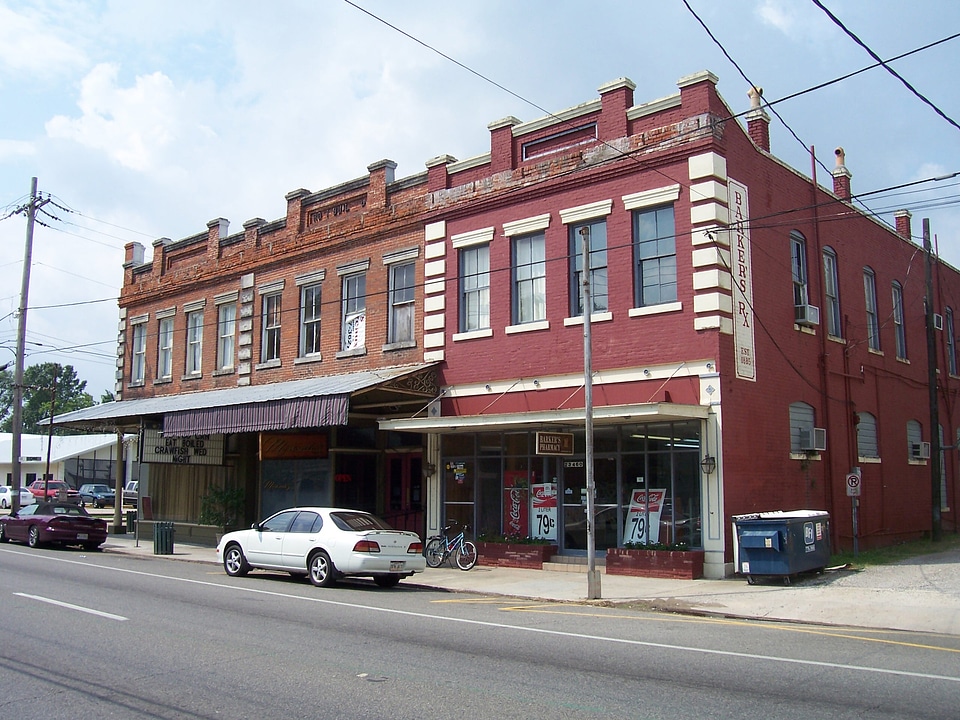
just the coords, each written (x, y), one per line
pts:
(163, 538)
(782, 544)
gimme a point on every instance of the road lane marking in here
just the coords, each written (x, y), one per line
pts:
(70, 606)
(507, 626)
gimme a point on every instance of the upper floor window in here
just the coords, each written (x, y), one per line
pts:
(194, 342)
(402, 307)
(165, 348)
(529, 279)
(310, 319)
(870, 299)
(226, 334)
(867, 445)
(798, 263)
(831, 290)
(801, 426)
(900, 332)
(270, 321)
(353, 333)
(474, 287)
(594, 232)
(655, 256)
(951, 341)
(914, 438)
(139, 354)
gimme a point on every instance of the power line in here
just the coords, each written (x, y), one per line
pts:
(886, 67)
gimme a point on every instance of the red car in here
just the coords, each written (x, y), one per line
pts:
(55, 490)
(60, 523)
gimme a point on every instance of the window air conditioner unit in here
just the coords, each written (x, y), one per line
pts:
(937, 321)
(807, 315)
(920, 451)
(813, 439)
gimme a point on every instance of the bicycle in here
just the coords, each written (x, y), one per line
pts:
(441, 548)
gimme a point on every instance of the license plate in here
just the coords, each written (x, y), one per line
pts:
(396, 565)
(81, 536)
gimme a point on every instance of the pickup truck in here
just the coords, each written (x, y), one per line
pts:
(131, 492)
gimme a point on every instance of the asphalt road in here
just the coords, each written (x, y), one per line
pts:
(95, 635)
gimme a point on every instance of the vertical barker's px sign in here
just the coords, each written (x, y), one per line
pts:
(741, 267)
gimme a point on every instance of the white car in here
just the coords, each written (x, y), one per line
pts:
(325, 544)
(6, 497)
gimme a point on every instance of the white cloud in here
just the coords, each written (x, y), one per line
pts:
(134, 125)
(29, 43)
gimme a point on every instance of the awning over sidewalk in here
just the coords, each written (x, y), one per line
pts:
(313, 402)
(603, 415)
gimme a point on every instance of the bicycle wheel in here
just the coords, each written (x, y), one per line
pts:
(466, 555)
(434, 552)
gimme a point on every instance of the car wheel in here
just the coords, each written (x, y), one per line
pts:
(234, 563)
(33, 536)
(3, 535)
(322, 572)
(386, 581)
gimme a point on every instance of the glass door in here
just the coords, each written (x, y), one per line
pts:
(574, 502)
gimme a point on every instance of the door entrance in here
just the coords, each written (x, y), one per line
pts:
(574, 494)
(404, 507)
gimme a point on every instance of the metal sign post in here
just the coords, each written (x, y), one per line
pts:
(854, 486)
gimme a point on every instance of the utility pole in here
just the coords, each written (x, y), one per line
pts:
(936, 533)
(16, 440)
(593, 575)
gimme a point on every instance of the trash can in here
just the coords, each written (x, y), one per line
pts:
(163, 538)
(131, 521)
(782, 544)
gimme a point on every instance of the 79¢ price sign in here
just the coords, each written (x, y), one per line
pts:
(544, 510)
(635, 527)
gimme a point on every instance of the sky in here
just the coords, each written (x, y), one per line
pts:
(144, 119)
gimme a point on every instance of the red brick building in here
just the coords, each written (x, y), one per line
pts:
(755, 339)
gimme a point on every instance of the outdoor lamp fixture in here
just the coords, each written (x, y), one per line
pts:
(708, 464)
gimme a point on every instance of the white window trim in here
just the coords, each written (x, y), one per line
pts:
(311, 278)
(401, 256)
(225, 298)
(601, 208)
(169, 312)
(194, 306)
(270, 288)
(527, 225)
(655, 309)
(594, 318)
(650, 198)
(527, 327)
(473, 334)
(474, 237)
(354, 268)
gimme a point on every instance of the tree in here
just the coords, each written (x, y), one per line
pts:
(38, 392)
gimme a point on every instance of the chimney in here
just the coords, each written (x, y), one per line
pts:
(381, 175)
(501, 144)
(437, 176)
(217, 230)
(616, 98)
(903, 223)
(758, 121)
(841, 176)
(294, 200)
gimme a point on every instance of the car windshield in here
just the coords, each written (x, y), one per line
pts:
(98, 488)
(358, 521)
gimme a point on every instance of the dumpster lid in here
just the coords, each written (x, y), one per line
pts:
(782, 515)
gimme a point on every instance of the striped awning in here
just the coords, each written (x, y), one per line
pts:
(308, 403)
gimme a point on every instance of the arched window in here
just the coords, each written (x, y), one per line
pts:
(831, 291)
(801, 426)
(867, 446)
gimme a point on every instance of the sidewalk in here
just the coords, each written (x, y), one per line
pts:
(922, 594)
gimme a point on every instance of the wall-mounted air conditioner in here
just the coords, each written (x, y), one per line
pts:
(806, 315)
(813, 439)
(937, 321)
(920, 451)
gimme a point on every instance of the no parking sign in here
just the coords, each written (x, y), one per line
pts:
(853, 485)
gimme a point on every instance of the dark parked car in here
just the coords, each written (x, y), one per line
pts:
(97, 494)
(60, 523)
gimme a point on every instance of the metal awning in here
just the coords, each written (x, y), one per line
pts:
(604, 415)
(309, 403)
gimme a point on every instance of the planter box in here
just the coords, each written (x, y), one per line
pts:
(679, 564)
(531, 557)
